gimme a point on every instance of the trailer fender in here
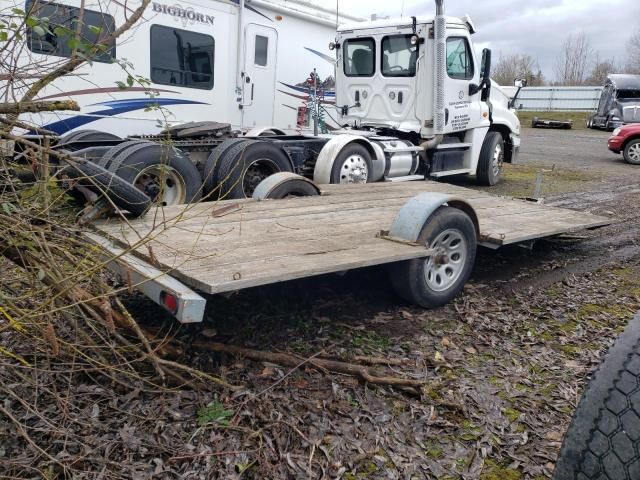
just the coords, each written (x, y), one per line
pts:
(264, 131)
(282, 184)
(331, 150)
(416, 212)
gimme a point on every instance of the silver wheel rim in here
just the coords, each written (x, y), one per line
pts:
(442, 270)
(634, 152)
(354, 170)
(497, 160)
(162, 184)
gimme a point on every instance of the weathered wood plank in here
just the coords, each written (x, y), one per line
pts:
(255, 243)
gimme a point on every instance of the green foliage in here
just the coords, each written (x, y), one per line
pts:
(215, 413)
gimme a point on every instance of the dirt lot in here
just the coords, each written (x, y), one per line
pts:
(504, 364)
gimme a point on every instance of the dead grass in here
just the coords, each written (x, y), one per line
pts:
(520, 181)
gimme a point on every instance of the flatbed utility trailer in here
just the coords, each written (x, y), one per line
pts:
(235, 244)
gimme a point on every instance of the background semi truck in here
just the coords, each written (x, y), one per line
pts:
(412, 97)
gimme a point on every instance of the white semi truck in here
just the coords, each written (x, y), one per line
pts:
(412, 98)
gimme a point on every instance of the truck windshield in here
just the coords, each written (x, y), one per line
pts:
(399, 56)
(359, 55)
(628, 94)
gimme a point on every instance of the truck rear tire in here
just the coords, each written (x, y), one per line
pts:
(603, 439)
(491, 159)
(353, 165)
(433, 281)
(116, 150)
(161, 172)
(212, 165)
(246, 164)
(123, 195)
(84, 136)
(631, 152)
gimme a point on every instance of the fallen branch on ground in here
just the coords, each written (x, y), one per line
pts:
(289, 360)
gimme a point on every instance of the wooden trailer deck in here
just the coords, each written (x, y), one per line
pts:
(229, 245)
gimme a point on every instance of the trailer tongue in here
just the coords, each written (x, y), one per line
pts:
(231, 245)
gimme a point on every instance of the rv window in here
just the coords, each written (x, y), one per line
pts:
(399, 56)
(261, 51)
(359, 57)
(182, 58)
(61, 27)
(459, 59)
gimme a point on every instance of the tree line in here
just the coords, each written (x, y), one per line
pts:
(577, 63)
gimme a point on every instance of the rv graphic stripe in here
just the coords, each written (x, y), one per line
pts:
(328, 58)
(115, 107)
(90, 91)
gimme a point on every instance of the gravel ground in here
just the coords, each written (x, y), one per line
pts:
(504, 364)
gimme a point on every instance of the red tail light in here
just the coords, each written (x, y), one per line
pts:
(169, 301)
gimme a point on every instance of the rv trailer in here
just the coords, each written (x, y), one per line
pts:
(233, 61)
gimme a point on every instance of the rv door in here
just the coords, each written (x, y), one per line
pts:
(259, 76)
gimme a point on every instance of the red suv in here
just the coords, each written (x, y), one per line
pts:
(626, 139)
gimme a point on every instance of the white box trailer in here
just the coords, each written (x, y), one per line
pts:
(238, 62)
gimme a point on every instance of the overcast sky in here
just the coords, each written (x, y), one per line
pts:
(534, 27)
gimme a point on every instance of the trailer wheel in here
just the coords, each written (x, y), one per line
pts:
(161, 172)
(211, 166)
(632, 152)
(116, 150)
(491, 159)
(246, 164)
(353, 165)
(84, 136)
(284, 185)
(121, 193)
(603, 439)
(436, 280)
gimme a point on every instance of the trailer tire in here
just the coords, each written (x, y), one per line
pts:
(285, 184)
(352, 165)
(123, 195)
(246, 164)
(631, 152)
(116, 150)
(426, 281)
(85, 136)
(158, 169)
(604, 435)
(491, 159)
(212, 165)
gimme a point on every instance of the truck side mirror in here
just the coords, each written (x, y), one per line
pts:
(520, 82)
(485, 69)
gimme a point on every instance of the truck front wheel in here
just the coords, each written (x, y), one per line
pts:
(491, 159)
(433, 281)
(353, 165)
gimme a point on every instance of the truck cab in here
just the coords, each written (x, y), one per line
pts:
(389, 79)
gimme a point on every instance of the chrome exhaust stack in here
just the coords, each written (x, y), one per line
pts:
(439, 73)
(439, 35)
